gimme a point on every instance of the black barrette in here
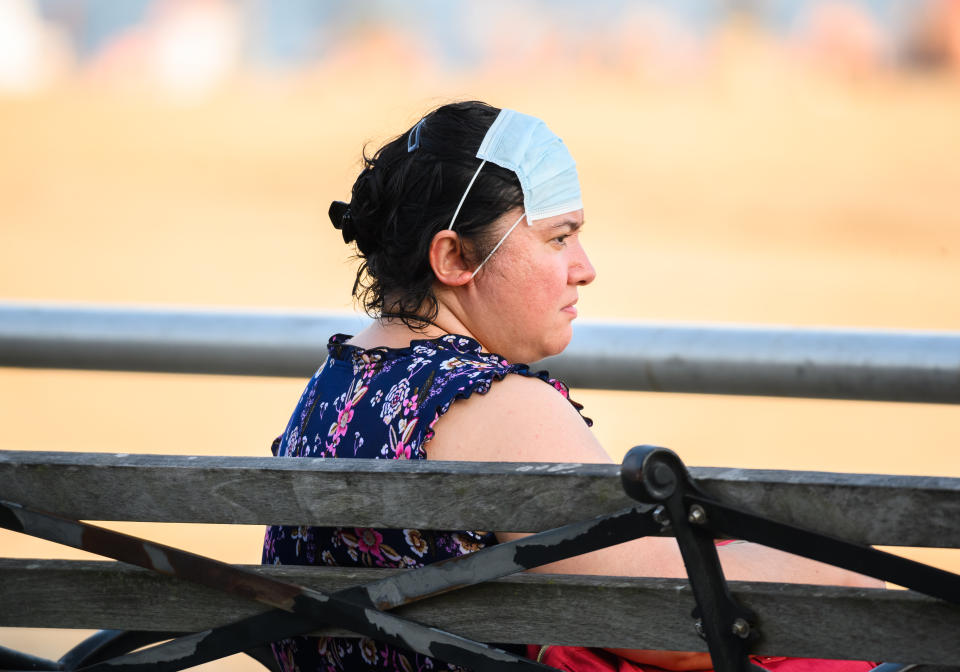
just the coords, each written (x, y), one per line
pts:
(341, 219)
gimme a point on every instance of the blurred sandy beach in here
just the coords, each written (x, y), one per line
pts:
(760, 188)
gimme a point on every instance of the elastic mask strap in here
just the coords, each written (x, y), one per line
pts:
(497, 246)
(464, 197)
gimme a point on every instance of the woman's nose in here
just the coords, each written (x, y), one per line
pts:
(582, 271)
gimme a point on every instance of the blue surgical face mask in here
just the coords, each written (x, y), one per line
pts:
(542, 163)
(547, 172)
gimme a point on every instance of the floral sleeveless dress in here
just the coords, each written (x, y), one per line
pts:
(381, 404)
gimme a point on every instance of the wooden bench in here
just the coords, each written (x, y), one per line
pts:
(792, 620)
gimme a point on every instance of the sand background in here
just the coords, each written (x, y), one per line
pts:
(758, 191)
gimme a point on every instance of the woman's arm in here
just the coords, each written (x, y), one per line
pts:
(523, 420)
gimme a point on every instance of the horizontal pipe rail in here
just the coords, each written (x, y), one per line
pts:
(877, 365)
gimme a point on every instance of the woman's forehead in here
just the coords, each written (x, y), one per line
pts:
(572, 220)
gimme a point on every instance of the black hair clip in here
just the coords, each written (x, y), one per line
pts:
(341, 219)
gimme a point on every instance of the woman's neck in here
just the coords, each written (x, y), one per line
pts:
(392, 332)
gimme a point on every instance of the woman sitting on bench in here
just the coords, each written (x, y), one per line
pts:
(468, 227)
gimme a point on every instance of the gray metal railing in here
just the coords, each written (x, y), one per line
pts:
(752, 360)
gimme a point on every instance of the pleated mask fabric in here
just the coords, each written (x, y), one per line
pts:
(546, 170)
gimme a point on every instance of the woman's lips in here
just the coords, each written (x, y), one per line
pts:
(571, 309)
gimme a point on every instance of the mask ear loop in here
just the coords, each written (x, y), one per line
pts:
(457, 212)
(497, 246)
(464, 197)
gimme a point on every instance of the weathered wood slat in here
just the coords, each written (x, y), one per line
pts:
(599, 611)
(866, 508)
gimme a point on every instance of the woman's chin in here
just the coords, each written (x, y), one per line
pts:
(557, 344)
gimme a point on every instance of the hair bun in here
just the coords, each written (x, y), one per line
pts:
(342, 220)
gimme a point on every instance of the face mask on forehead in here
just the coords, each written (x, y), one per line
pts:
(542, 163)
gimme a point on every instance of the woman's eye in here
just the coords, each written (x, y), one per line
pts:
(561, 240)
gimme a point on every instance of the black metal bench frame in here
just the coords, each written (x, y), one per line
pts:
(665, 500)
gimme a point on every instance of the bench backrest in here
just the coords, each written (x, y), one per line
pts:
(599, 611)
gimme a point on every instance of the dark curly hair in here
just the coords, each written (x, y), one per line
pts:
(403, 197)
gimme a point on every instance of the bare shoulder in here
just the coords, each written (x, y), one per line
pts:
(520, 419)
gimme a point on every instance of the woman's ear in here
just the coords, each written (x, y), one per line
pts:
(447, 259)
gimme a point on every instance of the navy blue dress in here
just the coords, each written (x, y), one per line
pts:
(382, 404)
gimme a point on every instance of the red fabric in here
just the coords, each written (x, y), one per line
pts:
(812, 664)
(581, 659)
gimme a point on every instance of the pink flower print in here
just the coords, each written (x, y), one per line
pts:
(400, 444)
(369, 540)
(352, 398)
(561, 388)
(339, 428)
(364, 362)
